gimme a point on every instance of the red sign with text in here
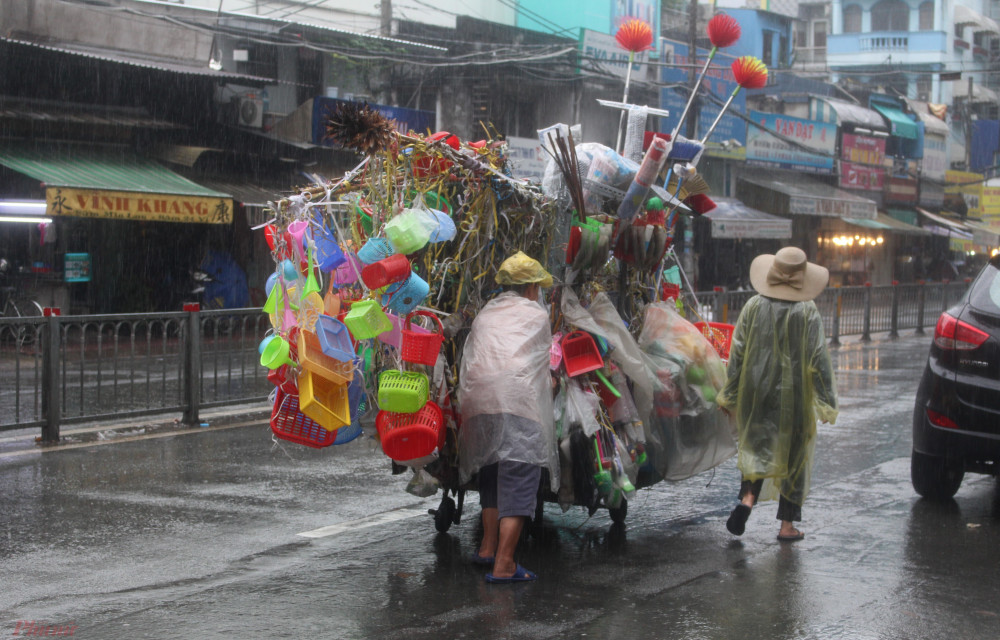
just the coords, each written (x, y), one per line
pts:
(861, 162)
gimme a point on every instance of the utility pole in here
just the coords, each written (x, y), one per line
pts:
(386, 26)
(691, 130)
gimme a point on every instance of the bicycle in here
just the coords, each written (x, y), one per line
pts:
(15, 305)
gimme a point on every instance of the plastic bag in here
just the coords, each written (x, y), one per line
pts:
(422, 484)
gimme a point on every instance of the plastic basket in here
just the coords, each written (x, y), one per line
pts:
(407, 232)
(283, 379)
(325, 402)
(374, 250)
(289, 423)
(366, 320)
(402, 391)
(580, 354)
(720, 335)
(311, 357)
(348, 272)
(334, 338)
(445, 229)
(421, 348)
(671, 291)
(407, 296)
(329, 255)
(408, 436)
(395, 268)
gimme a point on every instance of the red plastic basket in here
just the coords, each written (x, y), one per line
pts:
(408, 436)
(421, 348)
(719, 334)
(288, 423)
(580, 353)
(283, 379)
(395, 268)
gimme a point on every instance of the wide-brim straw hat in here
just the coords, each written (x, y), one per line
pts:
(787, 275)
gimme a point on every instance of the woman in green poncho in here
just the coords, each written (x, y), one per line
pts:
(780, 381)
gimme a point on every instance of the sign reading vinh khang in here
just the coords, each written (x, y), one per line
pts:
(127, 205)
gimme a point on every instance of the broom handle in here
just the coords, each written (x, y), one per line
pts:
(621, 118)
(721, 113)
(694, 90)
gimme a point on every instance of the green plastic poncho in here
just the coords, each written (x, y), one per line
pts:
(779, 382)
(505, 391)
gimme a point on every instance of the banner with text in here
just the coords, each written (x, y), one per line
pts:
(129, 205)
(861, 160)
(766, 150)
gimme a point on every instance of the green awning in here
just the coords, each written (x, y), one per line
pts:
(908, 216)
(80, 167)
(901, 124)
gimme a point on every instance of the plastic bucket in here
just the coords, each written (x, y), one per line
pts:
(374, 250)
(407, 296)
(386, 271)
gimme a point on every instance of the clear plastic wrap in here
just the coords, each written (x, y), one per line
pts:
(687, 432)
(780, 381)
(505, 392)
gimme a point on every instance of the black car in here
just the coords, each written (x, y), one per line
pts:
(956, 418)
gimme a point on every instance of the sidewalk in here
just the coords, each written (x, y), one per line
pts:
(22, 442)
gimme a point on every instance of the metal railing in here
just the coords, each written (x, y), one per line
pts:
(69, 369)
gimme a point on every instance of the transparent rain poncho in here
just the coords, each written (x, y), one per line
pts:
(780, 381)
(504, 391)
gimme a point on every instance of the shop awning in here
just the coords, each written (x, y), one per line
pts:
(932, 123)
(966, 16)
(883, 222)
(984, 235)
(900, 124)
(133, 59)
(731, 219)
(946, 223)
(960, 89)
(798, 195)
(854, 114)
(115, 184)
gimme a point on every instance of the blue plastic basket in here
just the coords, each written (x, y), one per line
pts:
(329, 256)
(374, 250)
(334, 338)
(406, 296)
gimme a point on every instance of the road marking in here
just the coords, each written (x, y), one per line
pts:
(401, 513)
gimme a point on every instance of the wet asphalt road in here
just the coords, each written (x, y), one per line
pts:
(197, 535)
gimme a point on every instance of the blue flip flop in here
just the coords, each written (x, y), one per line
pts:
(486, 561)
(520, 575)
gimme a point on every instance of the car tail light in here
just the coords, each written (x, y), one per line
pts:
(953, 334)
(941, 420)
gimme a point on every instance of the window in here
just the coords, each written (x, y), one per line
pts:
(890, 15)
(819, 34)
(923, 89)
(767, 55)
(852, 18)
(926, 17)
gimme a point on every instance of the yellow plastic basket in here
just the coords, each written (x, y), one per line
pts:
(324, 401)
(402, 391)
(311, 357)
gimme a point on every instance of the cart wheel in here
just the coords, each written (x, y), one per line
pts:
(444, 514)
(618, 514)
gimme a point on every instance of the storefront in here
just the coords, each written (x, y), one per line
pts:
(878, 251)
(139, 226)
(730, 236)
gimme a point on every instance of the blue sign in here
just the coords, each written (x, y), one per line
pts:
(406, 119)
(789, 149)
(718, 81)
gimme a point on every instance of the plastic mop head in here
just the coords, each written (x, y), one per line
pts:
(723, 30)
(700, 203)
(635, 35)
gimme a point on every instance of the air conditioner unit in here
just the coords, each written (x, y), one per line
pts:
(250, 111)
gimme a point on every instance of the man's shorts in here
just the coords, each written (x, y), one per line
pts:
(510, 487)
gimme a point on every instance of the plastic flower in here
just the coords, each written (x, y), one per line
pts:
(749, 72)
(723, 30)
(635, 35)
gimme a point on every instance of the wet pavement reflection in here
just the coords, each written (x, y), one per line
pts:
(197, 536)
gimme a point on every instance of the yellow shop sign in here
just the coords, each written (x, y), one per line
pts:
(128, 205)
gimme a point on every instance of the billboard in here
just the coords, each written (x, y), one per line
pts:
(766, 150)
(718, 82)
(858, 156)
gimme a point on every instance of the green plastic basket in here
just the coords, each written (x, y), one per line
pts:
(367, 320)
(402, 391)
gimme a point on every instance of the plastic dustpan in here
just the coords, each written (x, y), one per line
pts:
(580, 354)
(334, 338)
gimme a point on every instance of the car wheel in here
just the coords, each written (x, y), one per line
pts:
(934, 477)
